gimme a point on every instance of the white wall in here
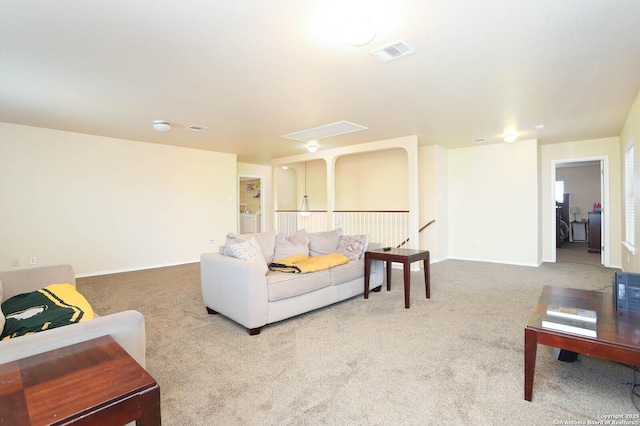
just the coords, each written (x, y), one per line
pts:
(372, 181)
(434, 196)
(105, 204)
(493, 203)
(287, 189)
(631, 135)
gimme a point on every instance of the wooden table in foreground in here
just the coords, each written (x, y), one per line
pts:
(89, 383)
(404, 256)
(618, 332)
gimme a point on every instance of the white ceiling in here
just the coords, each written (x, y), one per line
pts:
(253, 70)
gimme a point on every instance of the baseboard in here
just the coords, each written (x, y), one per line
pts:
(138, 268)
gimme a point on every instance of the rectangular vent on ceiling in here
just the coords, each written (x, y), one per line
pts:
(196, 128)
(393, 51)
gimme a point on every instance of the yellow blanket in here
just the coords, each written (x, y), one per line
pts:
(302, 264)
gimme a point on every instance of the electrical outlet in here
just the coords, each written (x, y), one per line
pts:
(32, 260)
(210, 243)
(14, 262)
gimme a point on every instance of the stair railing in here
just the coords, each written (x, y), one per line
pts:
(419, 231)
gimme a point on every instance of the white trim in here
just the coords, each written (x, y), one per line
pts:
(632, 249)
(138, 268)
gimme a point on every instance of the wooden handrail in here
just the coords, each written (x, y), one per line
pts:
(371, 211)
(419, 231)
(298, 211)
(347, 211)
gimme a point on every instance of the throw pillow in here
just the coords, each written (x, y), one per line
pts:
(266, 241)
(321, 243)
(54, 306)
(2, 320)
(296, 244)
(248, 250)
(353, 246)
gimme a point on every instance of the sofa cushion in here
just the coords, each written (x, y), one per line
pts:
(54, 306)
(353, 246)
(266, 241)
(247, 250)
(2, 320)
(290, 246)
(282, 285)
(348, 272)
(321, 243)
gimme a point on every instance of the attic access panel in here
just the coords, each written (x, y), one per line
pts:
(326, 131)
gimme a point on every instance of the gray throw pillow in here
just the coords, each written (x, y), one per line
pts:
(321, 243)
(296, 244)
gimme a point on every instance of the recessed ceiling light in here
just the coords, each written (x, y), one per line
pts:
(510, 136)
(539, 126)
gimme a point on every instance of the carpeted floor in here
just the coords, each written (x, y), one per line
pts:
(456, 358)
(577, 253)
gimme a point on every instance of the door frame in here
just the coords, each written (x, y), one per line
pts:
(242, 177)
(605, 234)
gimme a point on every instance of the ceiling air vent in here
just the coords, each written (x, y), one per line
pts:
(196, 128)
(393, 51)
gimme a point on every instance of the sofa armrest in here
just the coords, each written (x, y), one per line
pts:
(18, 281)
(235, 288)
(127, 328)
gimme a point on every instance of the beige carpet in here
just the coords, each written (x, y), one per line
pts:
(577, 253)
(454, 359)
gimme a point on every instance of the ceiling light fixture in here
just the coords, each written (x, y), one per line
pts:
(312, 147)
(539, 126)
(161, 125)
(510, 136)
(358, 31)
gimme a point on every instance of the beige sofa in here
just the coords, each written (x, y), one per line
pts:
(127, 327)
(242, 291)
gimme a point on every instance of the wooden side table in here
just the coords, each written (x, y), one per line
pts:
(617, 330)
(404, 256)
(88, 383)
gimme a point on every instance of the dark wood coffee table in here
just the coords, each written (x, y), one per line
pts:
(89, 383)
(617, 338)
(404, 256)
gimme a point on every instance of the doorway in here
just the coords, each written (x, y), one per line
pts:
(586, 186)
(250, 204)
